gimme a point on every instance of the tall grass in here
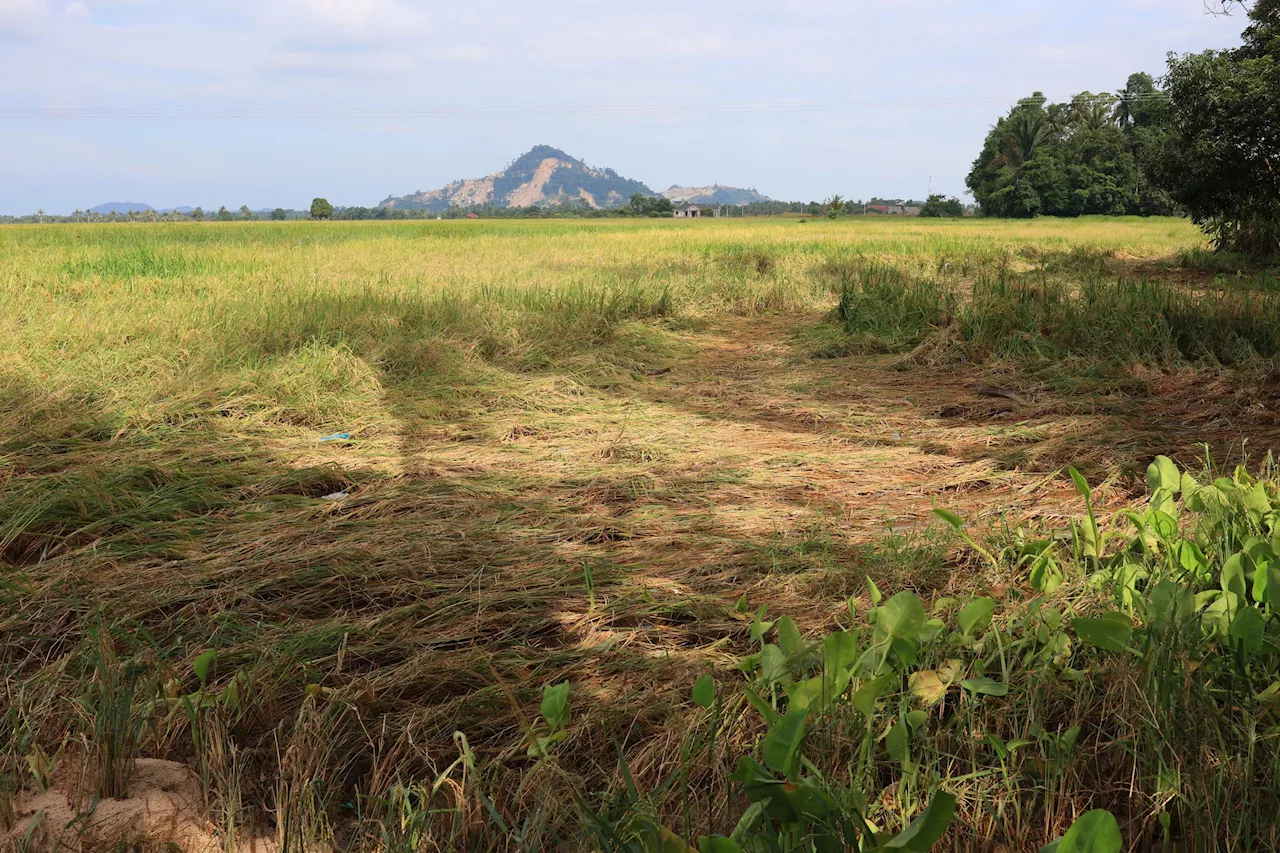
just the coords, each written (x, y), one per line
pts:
(164, 390)
(1034, 319)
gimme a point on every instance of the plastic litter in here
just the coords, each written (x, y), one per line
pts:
(337, 436)
(337, 496)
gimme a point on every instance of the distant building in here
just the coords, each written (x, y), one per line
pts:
(690, 210)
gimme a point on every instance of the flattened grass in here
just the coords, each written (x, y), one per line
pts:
(565, 464)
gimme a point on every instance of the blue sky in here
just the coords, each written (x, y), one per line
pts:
(272, 102)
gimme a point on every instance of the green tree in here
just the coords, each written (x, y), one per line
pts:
(245, 212)
(198, 214)
(1088, 156)
(835, 205)
(321, 209)
(1222, 161)
(224, 215)
(279, 214)
(647, 205)
(939, 206)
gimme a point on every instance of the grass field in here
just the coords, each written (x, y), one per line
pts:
(320, 511)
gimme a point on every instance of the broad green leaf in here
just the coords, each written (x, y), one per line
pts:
(704, 691)
(874, 591)
(812, 693)
(1095, 832)
(949, 517)
(203, 663)
(1112, 632)
(718, 844)
(1088, 531)
(1247, 629)
(555, 705)
(1082, 485)
(759, 627)
(782, 743)
(1234, 573)
(1046, 577)
(1161, 522)
(539, 748)
(866, 696)
(984, 686)
(928, 827)
(976, 616)
(1163, 474)
(773, 666)
(916, 719)
(764, 708)
(905, 650)
(793, 645)
(1257, 501)
(901, 616)
(1190, 557)
(839, 653)
(1266, 585)
(931, 630)
(750, 818)
(898, 740)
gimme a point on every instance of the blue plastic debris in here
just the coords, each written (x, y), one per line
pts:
(337, 436)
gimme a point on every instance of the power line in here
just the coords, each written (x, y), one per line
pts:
(516, 111)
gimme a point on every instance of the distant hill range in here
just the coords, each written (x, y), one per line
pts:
(121, 207)
(547, 175)
(714, 194)
(544, 175)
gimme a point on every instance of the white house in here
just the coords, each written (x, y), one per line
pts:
(689, 210)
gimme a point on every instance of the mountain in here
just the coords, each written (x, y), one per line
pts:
(714, 194)
(121, 207)
(544, 175)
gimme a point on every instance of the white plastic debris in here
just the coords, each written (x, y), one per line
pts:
(337, 496)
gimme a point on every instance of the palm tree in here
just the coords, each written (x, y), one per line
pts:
(1027, 131)
(1090, 111)
(835, 205)
(1122, 114)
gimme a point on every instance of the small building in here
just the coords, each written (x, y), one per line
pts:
(690, 210)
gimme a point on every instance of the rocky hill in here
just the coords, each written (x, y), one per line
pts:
(714, 194)
(544, 175)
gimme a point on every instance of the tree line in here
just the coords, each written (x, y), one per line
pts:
(1204, 140)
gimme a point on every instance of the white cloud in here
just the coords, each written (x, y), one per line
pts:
(24, 19)
(353, 23)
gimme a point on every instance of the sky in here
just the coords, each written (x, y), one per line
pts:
(272, 102)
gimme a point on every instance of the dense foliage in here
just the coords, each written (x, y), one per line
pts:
(1224, 151)
(321, 209)
(647, 205)
(939, 206)
(1089, 156)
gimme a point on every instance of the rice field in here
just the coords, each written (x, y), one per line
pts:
(308, 522)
